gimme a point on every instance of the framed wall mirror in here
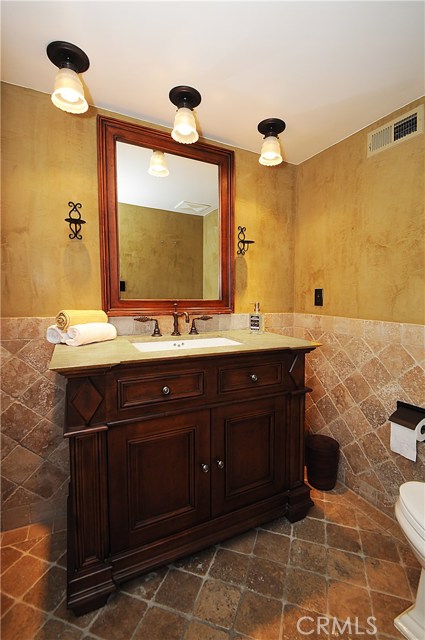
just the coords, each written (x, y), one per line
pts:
(165, 238)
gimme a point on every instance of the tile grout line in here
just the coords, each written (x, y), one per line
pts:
(378, 530)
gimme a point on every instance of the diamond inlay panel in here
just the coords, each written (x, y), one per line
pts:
(87, 400)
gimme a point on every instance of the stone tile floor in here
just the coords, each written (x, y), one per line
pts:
(340, 572)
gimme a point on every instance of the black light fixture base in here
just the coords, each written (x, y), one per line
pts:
(67, 55)
(183, 96)
(271, 127)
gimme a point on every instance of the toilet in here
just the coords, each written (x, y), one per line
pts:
(410, 514)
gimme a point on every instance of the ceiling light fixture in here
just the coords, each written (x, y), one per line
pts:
(185, 99)
(270, 151)
(158, 165)
(68, 92)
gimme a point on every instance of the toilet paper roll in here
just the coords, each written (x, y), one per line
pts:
(403, 440)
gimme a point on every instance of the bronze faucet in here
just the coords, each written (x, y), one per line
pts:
(176, 315)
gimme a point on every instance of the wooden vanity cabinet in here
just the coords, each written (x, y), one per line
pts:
(169, 456)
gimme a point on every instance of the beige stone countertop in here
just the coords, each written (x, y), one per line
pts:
(121, 350)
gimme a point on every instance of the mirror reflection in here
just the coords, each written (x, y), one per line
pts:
(168, 225)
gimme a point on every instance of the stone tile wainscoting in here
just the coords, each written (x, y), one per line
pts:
(362, 368)
(35, 463)
(35, 467)
(357, 375)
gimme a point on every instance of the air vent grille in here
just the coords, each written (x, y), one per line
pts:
(195, 208)
(411, 124)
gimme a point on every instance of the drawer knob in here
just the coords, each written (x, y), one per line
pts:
(205, 468)
(254, 377)
(220, 464)
(166, 391)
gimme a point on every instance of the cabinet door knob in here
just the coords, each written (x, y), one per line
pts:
(166, 391)
(220, 464)
(205, 468)
(254, 377)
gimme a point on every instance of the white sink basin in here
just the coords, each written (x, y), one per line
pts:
(174, 345)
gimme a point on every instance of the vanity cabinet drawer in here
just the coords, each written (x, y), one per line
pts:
(159, 388)
(250, 377)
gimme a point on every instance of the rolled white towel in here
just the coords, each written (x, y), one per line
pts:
(80, 334)
(55, 335)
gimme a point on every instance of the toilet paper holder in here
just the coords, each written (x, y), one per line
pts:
(407, 429)
(408, 415)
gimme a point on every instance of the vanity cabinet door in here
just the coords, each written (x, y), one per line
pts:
(247, 461)
(158, 482)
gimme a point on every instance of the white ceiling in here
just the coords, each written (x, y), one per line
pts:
(189, 181)
(327, 68)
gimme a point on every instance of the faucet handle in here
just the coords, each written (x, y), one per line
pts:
(156, 331)
(193, 329)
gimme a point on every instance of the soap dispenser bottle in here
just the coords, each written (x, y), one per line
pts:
(256, 319)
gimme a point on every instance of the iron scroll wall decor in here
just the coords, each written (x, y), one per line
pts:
(75, 222)
(243, 244)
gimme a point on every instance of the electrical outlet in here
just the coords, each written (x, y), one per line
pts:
(318, 297)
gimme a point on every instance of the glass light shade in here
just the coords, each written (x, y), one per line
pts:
(158, 165)
(68, 92)
(184, 126)
(270, 152)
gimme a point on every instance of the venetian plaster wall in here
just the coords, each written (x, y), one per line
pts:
(50, 158)
(265, 205)
(211, 255)
(161, 253)
(360, 228)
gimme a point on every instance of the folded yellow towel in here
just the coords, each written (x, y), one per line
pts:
(68, 317)
(90, 332)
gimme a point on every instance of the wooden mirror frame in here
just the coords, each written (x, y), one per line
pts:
(109, 132)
